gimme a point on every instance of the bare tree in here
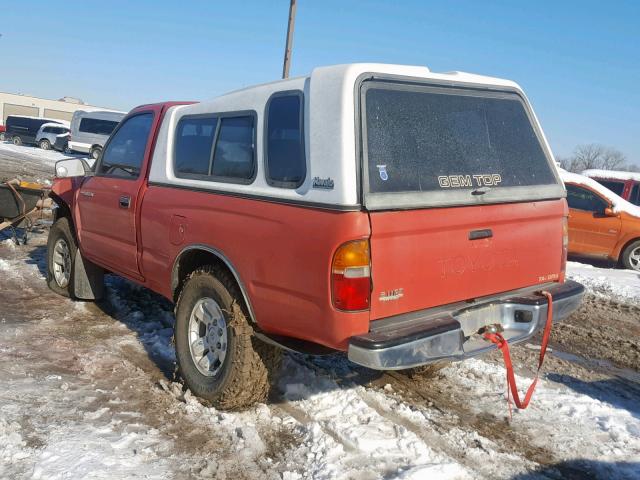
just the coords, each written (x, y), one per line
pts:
(593, 155)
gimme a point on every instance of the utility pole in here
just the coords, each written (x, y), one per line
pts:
(287, 48)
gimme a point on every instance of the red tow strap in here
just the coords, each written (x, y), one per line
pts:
(502, 344)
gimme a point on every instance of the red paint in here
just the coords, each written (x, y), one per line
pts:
(428, 253)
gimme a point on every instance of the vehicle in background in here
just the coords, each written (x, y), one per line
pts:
(601, 223)
(2, 129)
(624, 184)
(90, 130)
(24, 130)
(62, 142)
(381, 210)
(46, 136)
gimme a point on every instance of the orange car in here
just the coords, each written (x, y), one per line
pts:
(601, 224)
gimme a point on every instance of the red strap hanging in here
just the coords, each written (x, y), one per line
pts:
(502, 344)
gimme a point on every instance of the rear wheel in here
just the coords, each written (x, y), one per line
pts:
(631, 256)
(45, 144)
(61, 255)
(95, 152)
(218, 356)
(16, 140)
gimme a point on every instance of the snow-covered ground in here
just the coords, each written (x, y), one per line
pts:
(608, 282)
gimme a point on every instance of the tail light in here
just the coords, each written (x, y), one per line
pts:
(565, 248)
(351, 276)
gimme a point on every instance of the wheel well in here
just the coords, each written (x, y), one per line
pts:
(62, 210)
(193, 259)
(95, 147)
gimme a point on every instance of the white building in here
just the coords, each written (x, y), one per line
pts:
(16, 104)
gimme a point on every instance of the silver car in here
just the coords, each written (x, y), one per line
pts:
(46, 136)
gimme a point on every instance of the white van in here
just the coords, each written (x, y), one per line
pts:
(90, 130)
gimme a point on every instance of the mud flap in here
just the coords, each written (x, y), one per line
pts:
(88, 279)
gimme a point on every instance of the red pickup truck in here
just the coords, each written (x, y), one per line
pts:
(386, 211)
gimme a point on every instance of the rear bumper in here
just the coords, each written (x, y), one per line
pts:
(451, 333)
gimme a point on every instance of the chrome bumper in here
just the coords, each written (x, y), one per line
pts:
(452, 333)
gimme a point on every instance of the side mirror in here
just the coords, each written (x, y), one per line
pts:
(72, 167)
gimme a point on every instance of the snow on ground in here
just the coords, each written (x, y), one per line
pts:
(49, 157)
(87, 392)
(609, 282)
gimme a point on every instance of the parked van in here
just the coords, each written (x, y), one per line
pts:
(21, 129)
(90, 130)
(386, 211)
(624, 184)
(48, 133)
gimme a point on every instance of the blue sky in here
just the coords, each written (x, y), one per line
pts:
(578, 61)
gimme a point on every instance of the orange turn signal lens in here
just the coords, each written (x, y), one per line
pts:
(351, 276)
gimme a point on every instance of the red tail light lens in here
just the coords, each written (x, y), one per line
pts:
(351, 276)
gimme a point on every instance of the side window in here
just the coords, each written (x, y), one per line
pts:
(635, 194)
(233, 157)
(47, 130)
(284, 142)
(615, 187)
(582, 199)
(124, 153)
(194, 140)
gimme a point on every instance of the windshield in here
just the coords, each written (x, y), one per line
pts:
(430, 139)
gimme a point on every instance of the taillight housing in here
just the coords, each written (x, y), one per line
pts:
(565, 248)
(351, 276)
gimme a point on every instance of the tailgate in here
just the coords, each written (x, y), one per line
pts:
(428, 257)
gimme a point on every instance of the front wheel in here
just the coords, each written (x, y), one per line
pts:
(44, 144)
(17, 140)
(218, 357)
(61, 256)
(631, 256)
(2, 137)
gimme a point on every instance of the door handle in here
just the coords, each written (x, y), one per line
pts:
(87, 193)
(125, 201)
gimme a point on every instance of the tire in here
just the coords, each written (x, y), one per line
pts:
(631, 256)
(243, 376)
(425, 371)
(17, 140)
(60, 264)
(2, 137)
(44, 144)
(95, 153)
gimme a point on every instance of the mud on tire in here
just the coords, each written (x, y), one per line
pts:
(244, 376)
(60, 236)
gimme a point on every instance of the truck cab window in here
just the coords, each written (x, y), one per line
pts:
(635, 194)
(583, 199)
(286, 165)
(124, 153)
(615, 187)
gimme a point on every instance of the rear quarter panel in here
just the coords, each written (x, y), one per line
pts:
(282, 254)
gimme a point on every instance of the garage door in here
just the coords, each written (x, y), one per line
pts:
(57, 114)
(11, 109)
